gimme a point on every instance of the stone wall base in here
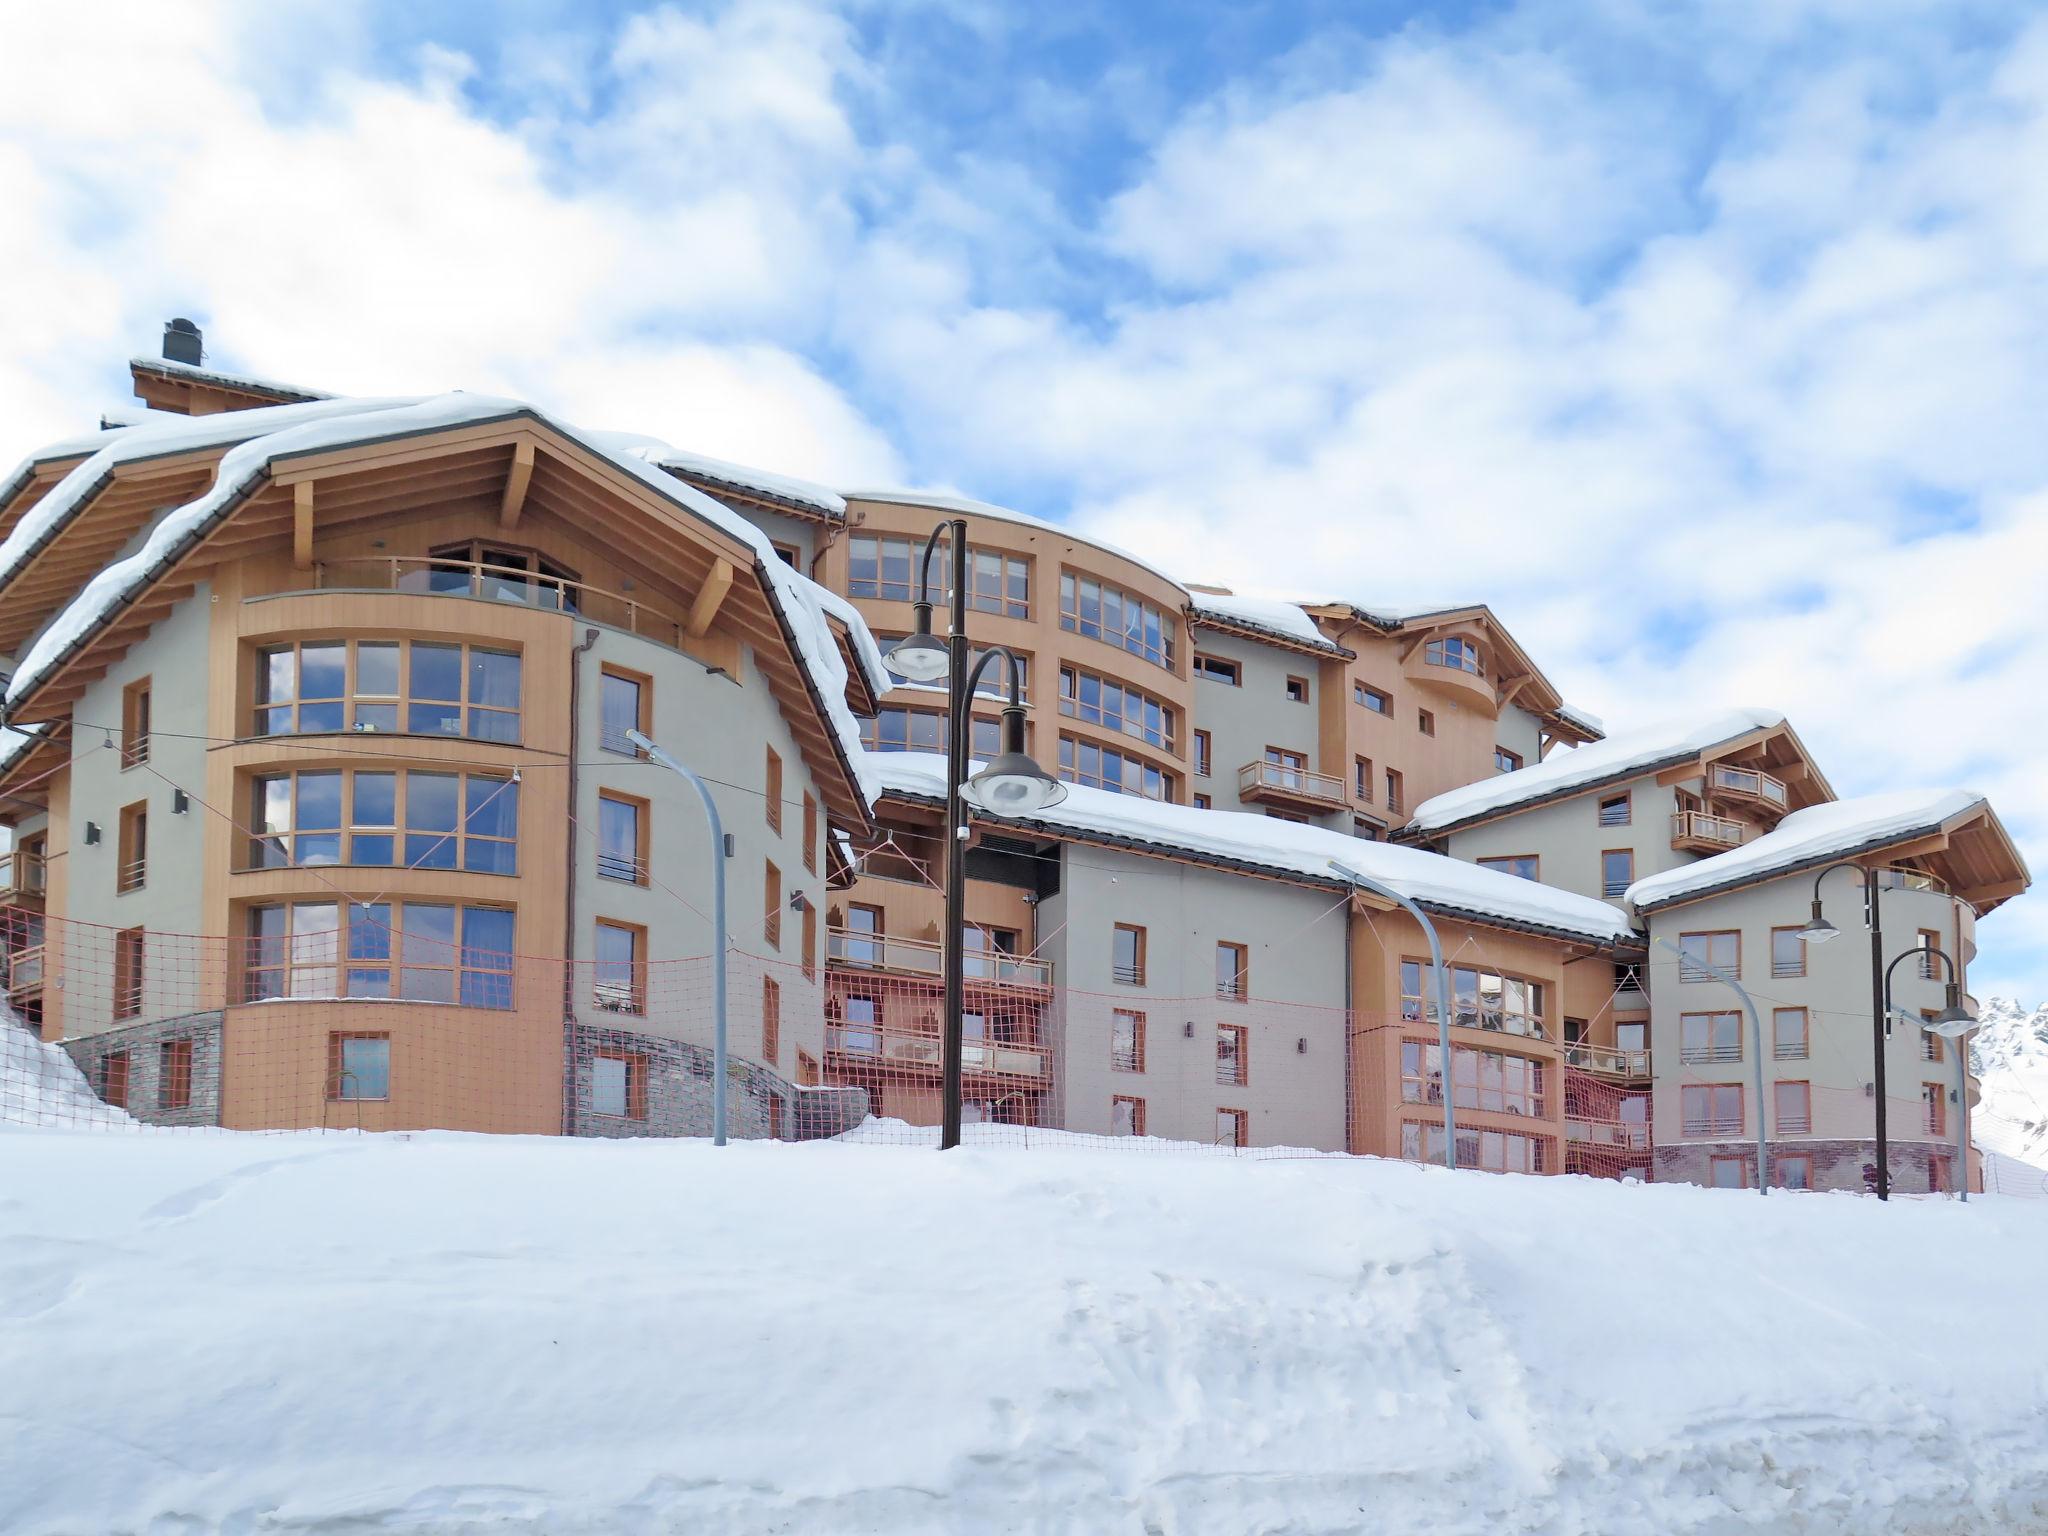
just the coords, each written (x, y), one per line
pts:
(1917, 1167)
(144, 1044)
(676, 1093)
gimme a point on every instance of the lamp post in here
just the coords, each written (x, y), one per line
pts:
(1011, 783)
(718, 935)
(1952, 1023)
(1756, 1035)
(1443, 998)
(1819, 930)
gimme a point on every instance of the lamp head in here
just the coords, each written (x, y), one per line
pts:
(920, 655)
(1953, 1021)
(1818, 929)
(1012, 784)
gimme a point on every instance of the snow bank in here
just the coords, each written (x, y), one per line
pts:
(1818, 832)
(1444, 885)
(39, 1085)
(1581, 767)
(298, 1333)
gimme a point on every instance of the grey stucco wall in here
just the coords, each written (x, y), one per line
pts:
(1243, 721)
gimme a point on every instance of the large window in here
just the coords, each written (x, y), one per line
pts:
(1721, 950)
(1492, 1151)
(1493, 1081)
(359, 816)
(1523, 866)
(622, 825)
(1369, 697)
(358, 1066)
(1710, 1109)
(1233, 972)
(1116, 706)
(1126, 1040)
(1617, 871)
(1709, 1037)
(888, 568)
(620, 976)
(923, 730)
(1479, 999)
(1083, 762)
(337, 685)
(1456, 652)
(625, 704)
(1104, 612)
(1127, 955)
(428, 952)
(1218, 669)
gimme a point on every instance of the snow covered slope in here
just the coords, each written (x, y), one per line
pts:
(292, 1334)
(2009, 1054)
(40, 1086)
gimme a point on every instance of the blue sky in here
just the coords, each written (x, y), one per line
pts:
(1704, 340)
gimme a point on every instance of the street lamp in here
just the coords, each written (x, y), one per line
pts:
(1756, 1035)
(718, 935)
(1011, 783)
(1819, 930)
(1952, 1023)
(1443, 999)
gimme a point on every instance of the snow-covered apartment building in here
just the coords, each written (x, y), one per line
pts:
(324, 812)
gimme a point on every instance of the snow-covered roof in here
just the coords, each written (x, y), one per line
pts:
(756, 482)
(1448, 886)
(948, 501)
(1583, 718)
(1804, 838)
(300, 429)
(1274, 616)
(866, 649)
(166, 435)
(203, 375)
(15, 742)
(1578, 768)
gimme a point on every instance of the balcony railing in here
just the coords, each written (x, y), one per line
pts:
(918, 1048)
(1712, 1125)
(855, 949)
(22, 874)
(1608, 1060)
(1265, 780)
(1751, 783)
(1891, 879)
(1696, 827)
(1631, 1135)
(499, 584)
(1702, 1055)
(25, 970)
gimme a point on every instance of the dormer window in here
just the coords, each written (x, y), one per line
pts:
(1456, 652)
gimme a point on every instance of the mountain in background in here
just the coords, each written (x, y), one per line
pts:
(2009, 1054)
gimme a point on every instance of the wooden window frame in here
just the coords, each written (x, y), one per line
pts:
(1929, 939)
(1137, 977)
(1218, 669)
(1137, 1112)
(1241, 1073)
(131, 872)
(1241, 971)
(129, 978)
(1778, 971)
(644, 723)
(1706, 1055)
(174, 1074)
(807, 1072)
(1628, 810)
(771, 1019)
(397, 831)
(1425, 721)
(1137, 1018)
(114, 1074)
(1780, 1163)
(1071, 619)
(635, 1063)
(336, 1049)
(636, 1001)
(1242, 1134)
(1515, 760)
(771, 795)
(643, 836)
(810, 833)
(1778, 1051)
(810, 940)
(771, 915)
(1705, 976)
(1802, 1124)
(1397, 790)
(1204, 803)
(1495, 860)
(1204, 755)
(1297, 689)
(1361, 779)
(352, 698)
(1741, 1166)
(1606, 891)
(135, 723)
(1374, 701)
(1932, 1047)
(1710, 1121)
(1934, 1108)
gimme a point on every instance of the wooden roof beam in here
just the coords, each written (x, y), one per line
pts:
(710, 598)
(517, 478)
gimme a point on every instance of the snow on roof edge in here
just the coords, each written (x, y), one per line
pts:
(204, 375)
(1278, 617)
(761, 482)
(948, 501)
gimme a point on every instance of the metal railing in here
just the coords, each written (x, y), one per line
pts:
(1700, 827)
(437, 577)
(1893, 879)
(1608, 1060)
(1287, 779)
(921, 1048)
(1712, 1125)
(132, 876)
(1747, 781)
(1702, 1055)
(851, 948)
(1783, 1052)
(22, 874)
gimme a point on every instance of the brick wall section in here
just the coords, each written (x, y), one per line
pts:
(1850, 1165)
(143, 1043)
(679, 1093)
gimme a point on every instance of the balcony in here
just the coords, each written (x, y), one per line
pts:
(1608, 1060)
(1451, 665)
(22, 876)
(25, 971)
(855, 950)
(1698, 832)
(920, 1051)
(1291, 788)
(1750, 786)
(1627, 1135)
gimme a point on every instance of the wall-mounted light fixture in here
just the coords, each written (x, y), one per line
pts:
(1301, 1046)
(1187, 1030)
(92, 834)
(180, 802)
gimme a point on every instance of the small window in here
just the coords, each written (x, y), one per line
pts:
(1728, 1173)
(1233, 1068)
(1297, 690)
(1202, 802)
(618, 1085)
(1631, 1035)
(113, 1083)
(128, 945)
(1788, 953)
(1393, 792)
(1372, 698)
(1792, 1172)
(771, 899)
(807, 1075)
(174, 1074)
(1361, 779)
(1710, 1037)
(1788, 1034)
(135, 724)
(1614, 811)
(1201, 754)
(771, 1019)
(1722, 950)
(625, 703)
(772, 795)
(1127, 955)
(1233, 972)
(790, 556)
(1126, 1116)
(1791, 1109)
(1710, 1109)
(1929, 941)
(1218, 669)
(1617, 871)
(619, 978)
(1233, 1128)
(1505, 761)
(1523, 866)
(622, 828)
(1934, 1098)
(1126, 1040)
(358, 1067)
(1425, 722)
(132, 871)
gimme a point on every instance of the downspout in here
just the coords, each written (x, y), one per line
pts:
(576, 655)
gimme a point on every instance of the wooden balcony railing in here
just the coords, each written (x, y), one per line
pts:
(1264, 780)
(1691, 828)
(1608, 1060)
(499, 584)
(25, 971)
(1752, 783)
(21, 874)
(919, 1048)
(853, 949)
(1631, 1135)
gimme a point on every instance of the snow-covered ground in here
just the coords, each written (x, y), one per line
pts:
(341, 1333)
